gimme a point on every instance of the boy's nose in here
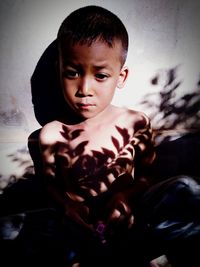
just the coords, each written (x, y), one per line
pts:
(85, 87)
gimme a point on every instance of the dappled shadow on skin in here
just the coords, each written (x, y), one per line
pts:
(90, 174)
(169, 112)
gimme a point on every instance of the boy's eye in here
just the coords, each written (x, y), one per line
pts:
(101, 76)
(71, 74)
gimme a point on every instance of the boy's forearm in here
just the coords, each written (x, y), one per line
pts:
(56, 196)
(138, 187)
(133, 186)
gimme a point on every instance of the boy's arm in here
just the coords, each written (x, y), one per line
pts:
(121, 207)
(74, 209)
(47, 146)
(143, 147)
(47, 149)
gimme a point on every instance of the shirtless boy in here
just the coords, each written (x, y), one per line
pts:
(96, 156)
(89, 154)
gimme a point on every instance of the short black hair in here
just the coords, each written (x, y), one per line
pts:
(87, 24)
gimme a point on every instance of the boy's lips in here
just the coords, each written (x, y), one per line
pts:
(85, 105)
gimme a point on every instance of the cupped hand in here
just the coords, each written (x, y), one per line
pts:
(78, 212)
(119, 214)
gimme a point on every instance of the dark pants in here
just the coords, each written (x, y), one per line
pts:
(171, 210)
(167, 221)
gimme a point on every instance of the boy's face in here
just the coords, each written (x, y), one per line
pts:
(89, 76)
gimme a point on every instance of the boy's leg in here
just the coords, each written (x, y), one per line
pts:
(45, 239)
(171, 210)
(39, 239)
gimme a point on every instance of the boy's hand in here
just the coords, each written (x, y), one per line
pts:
(119, 214)
(78, 212)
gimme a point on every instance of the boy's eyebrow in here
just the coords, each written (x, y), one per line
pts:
(96, 67)
(69, 63)
(103, 66)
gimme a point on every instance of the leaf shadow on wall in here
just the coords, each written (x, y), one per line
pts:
(176, 122)
(169, 111)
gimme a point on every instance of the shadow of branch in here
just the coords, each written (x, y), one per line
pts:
(167, 110)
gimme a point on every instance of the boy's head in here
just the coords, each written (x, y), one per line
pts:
(93, 45)
(91, 23)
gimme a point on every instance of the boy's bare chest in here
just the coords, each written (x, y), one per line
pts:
(91, 159)
(79, 142)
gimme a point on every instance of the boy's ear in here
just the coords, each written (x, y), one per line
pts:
(122, 77)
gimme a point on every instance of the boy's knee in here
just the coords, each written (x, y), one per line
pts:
(183, 198)
(176, 197)
(187, 184)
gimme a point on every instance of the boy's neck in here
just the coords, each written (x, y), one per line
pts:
(73, 119)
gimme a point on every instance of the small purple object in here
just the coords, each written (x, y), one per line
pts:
(100, 229)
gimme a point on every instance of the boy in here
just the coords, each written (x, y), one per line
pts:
(89, 155)
(96, 158)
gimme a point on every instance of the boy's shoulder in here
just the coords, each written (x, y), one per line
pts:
(53, 126)
(49, 131)
(133, 117)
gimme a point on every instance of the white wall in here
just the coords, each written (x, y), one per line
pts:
(163, 34)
